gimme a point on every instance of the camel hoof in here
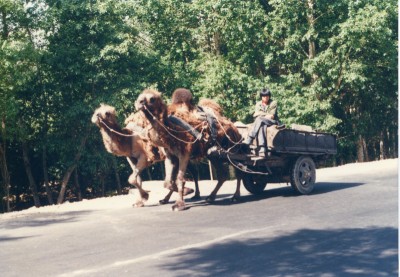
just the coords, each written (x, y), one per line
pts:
(138, 204)
(196, 197)
(187, 191)
(163, 202)
(235, 199)
(179, 206)
(210, 199)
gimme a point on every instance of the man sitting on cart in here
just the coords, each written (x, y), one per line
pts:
(265, 114)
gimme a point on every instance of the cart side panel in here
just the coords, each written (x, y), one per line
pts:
(288, 140)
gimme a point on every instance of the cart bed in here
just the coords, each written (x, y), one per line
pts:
(300, 142)
(293, 141)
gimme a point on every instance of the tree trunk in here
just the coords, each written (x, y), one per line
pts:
(77, 185)
(217, 47)
(311, 25)
(118, 180)
(366, 155)
(394, 139)
(64, 183)
(46, 177)
(311, 39)
(28, 170)
(70, 169)
(6, 177)
(360, 150)
(102, 183)
(4, 33)
(382, 154)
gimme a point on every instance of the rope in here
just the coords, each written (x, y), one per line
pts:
(112, 130)
(229, 138)
(245, 170)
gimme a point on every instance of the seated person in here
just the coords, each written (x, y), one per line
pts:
(266, 114)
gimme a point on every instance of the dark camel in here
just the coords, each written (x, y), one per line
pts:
(181, 146)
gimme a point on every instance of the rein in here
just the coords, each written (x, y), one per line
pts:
(112, 130)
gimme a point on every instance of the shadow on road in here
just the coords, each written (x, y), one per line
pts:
(8, 238)
(343, 252)
(325, 187)
(287, 191)
(41, 219)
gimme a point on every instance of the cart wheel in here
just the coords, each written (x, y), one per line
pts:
(254, 183)
(302, 175)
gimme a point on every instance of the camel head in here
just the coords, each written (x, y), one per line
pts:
(104, 113)
(151, 101)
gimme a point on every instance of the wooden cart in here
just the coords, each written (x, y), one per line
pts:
(292, 157)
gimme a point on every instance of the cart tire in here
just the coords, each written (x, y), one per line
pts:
(302, 175)
(254, 183)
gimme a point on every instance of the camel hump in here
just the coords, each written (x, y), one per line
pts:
(211, 104)
(182, 96)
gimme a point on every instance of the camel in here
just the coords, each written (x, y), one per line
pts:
(181, 146)
(131, 143)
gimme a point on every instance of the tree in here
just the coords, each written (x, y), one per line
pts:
(17, 69)
(95, 55)
(359, 68)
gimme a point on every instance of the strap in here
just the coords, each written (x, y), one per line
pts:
(183, 124)
(210, 117)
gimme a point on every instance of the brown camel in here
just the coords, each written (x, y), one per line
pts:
(181, 146)
(131, 143)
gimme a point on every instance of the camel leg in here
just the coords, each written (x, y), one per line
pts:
(193, 170)
(236, 195)
(180, 182)
(166, 198)
(221, 177)
(171, 164)
(134, 179)
(171, 169)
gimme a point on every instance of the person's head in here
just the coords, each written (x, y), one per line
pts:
(265, 94)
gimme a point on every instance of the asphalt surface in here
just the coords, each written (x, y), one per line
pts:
(348, 226)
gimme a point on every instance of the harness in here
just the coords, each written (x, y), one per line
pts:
(184, 125)
(206, 115)
(211, 120)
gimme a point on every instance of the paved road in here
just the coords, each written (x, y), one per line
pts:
(347, 227)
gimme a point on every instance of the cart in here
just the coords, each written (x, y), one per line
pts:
(292, 157)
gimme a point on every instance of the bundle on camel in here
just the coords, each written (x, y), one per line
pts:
(181, 146)
(131, 143)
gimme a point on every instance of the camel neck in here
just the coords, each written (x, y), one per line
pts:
(114, 142)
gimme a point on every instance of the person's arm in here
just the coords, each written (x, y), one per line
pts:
(272, 110)
(270, 114)
(257, 110)
(258, 113)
